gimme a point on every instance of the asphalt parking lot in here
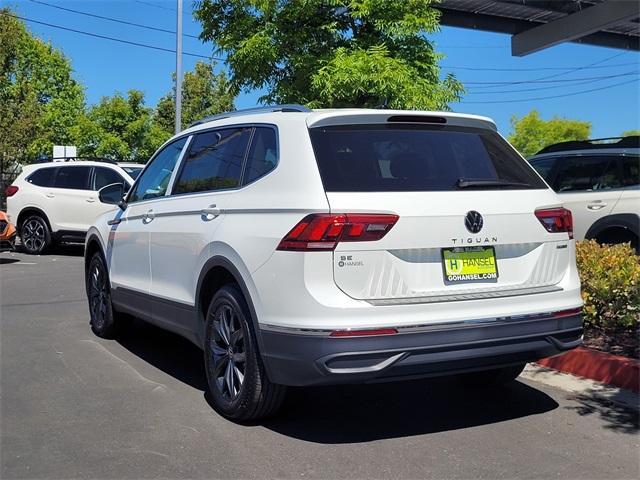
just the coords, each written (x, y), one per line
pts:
(74, 405)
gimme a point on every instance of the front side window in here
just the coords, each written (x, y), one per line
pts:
(74, 178)
(214, 161)
(409, 158)
(154, 181)
(43, 177)
(103, 176)
(581, 173)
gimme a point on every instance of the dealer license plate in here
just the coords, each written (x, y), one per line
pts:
(469, 264)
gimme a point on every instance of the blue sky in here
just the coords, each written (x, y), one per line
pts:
(105, 67)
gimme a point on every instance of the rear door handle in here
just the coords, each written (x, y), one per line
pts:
(210, 213)
(596, 205)
(148, 217)
(91, 200)
(49, 195)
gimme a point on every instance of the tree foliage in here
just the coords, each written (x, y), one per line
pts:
(119, 127)
(629, 133)
(531, 133)
(331, 53)
(203, 93)
(39, 99)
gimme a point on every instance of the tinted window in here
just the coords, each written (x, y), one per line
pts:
(214, 161)
(75, 178)
(42, 177)
(154, 181)
(630, 171)
(263, 154)
(581, 173)
(544, 167)
(415, 158)
(105, 176)
(133, 171)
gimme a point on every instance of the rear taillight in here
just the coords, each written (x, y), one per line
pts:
(323, 231)
(11, 190)
(556, 220)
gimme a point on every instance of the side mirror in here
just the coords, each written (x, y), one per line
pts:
(112, 195)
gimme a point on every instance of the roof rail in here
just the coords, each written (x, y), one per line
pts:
(289, 107)
(631, 141)
(77, 159)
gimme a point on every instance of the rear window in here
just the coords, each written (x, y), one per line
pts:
(42, 177)
(406, 158)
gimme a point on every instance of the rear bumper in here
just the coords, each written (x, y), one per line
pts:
(314, 358)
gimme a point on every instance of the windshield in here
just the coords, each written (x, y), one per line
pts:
(379, 158)
(133, 171)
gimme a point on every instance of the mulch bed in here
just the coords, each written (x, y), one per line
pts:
(624, 342)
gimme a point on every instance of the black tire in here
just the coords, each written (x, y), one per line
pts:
(35, 236)
(231, 356)
(493, 378)
(105, 322)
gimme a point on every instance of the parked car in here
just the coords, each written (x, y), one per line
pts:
(300, 247)
(600, 183)
(58, 201)
(7, 233)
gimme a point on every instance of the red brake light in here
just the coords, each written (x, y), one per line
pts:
(323, 231)
(11, 190)
(556, 220)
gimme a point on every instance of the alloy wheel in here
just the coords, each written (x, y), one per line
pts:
(33, 235)
(228, 351)
(98, 294)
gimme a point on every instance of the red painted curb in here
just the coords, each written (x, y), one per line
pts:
(603, 367)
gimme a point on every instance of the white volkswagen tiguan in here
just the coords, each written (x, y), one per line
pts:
(300, 247)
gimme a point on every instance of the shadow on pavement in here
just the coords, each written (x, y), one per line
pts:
(354, 413)
(4, 260)
(67, 249)
(616, 417)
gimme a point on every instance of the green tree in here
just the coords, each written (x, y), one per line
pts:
(629, 133)
(203, 93)
(39, 99)
(531, 133)
(119, 127)
(337, 53)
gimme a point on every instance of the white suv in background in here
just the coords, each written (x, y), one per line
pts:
(599, 181)
(58, 201)
(300, 247)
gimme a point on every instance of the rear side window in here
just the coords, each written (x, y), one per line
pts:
(401, 158)
(42, 177)
(582, 173)
(214, 161)
(105, 176)
(263, 154)
(74, 178)
(631, 171)
(544, 167)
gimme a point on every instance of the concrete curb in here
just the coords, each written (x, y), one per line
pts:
(582, 387)
(602, 367)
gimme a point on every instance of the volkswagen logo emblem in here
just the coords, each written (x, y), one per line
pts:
(473, 221)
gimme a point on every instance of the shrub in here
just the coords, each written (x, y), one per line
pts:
(610, 276)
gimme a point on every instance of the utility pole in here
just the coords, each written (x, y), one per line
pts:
(179, 67)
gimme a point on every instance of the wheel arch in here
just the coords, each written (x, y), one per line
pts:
(217, 272)
(92, 245)
(27, 211)
(626, 221)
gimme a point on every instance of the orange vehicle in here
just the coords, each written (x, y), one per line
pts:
(7, 233)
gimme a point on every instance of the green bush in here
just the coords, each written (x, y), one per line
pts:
(610, 276)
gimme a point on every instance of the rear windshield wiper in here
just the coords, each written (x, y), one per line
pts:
(487, 183)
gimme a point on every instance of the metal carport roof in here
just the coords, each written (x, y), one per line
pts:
(539, 24)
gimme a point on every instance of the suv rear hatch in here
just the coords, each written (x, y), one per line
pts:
(466, 203)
